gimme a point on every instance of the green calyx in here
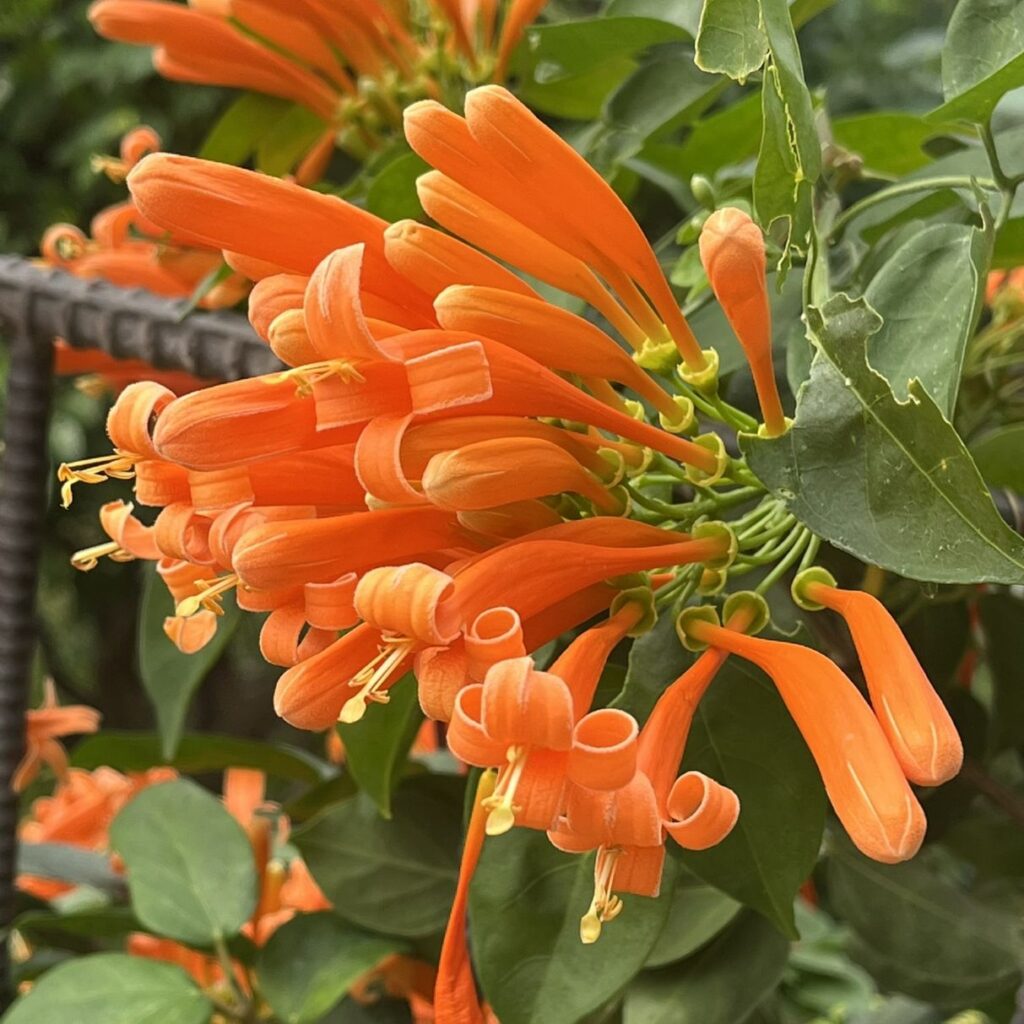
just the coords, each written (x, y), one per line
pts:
(712, 530)
(644, 597)
(714, 444)
(704, 380)
(684, 422)
(750, 605)
(686, 620)
(657, 356)
(815, 574)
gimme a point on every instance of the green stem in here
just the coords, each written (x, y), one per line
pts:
(902, 189)
(786, 564)
(1007, 185)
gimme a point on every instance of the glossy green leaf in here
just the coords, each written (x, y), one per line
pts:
(310, 962)
(190, 866)
(381, 1011)
(664, 93)
(198, 753)
(720, 985)
(698, 912)
(742, 736)
(1002, 620)
(999, 456)
(288, 140)
(72, 929)
(111, 988)
(569, 69)
(168, 676)
(236, 135)
(919, 934)
(889, 142)
(929, 294)
(890, 482)
(982, 59)
(683, 13)
(525, 908)
(392, 191)
(731, 40)
(66, 863)
(394, 876)
(311, 802)
(376, 747)
(655, 660)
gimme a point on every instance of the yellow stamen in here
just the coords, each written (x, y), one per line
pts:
(605, 906)
(370, 678)
(312, 373)
(117, 466)
(211, 592)
(93, 385)
(88, 558)
(500, 803)
(115, 169)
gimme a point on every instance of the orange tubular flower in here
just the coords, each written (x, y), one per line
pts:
(732, 251)
(911, 714)
(498, 471)
(43, 727)
(510, 159)
(455, 996)
(862, 777)
(555, 337)
(194, 46)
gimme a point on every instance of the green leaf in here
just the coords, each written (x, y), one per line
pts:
(288, 140)
(70, 929)
(890, 482)
(190, 866)
(199, 753)
(392, 192)
(727, 137)
(997, 455)
(698, 912)
(664, 93)
(65, 863)
(169, 677)
(743, 736)
(889, 142)
(720, 985)
(236, 135)
(525, 908)
(316, 798)
(655, 659)
(394, 876)
(930, 294)
(569, 69)
(683, 13)
(982, 59)
(1001, 619)
(312, 961)
(917, 933)
(376, 747)
(731, 40)
(111, 988)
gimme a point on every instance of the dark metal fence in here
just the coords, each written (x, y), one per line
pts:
(37, 305)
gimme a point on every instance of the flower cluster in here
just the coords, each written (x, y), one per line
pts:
(353, 65)
(449, 475)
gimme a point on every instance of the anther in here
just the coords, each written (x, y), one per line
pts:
(310, 374)
(211, 593)
(117, 466)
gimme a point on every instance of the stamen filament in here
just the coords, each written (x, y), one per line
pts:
(209, 597)
(500, 803)
(118, 466)
(373, 676)
(605, 906)
(310, 374)
(88, 558)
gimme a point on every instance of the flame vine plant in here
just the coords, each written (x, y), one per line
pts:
(497, 456)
